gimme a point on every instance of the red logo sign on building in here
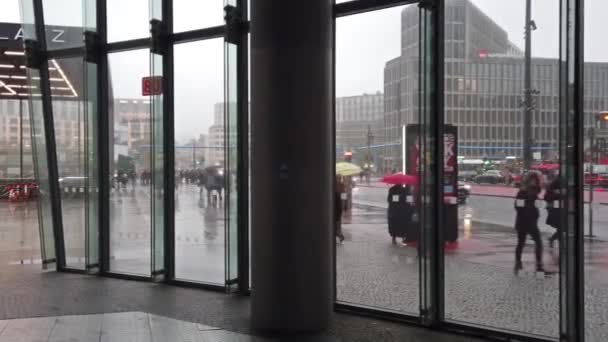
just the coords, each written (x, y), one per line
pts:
(483, 53)
(152, 85)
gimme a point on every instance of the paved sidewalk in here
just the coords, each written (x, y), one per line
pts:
(480, 285)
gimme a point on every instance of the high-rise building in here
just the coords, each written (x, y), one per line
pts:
(484, 87)
(359, 125)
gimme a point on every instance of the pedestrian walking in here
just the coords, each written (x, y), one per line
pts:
(399, 211)
(338, 208)
(552, 198)
(526, 220)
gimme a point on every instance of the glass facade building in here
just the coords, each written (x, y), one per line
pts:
(311, 160)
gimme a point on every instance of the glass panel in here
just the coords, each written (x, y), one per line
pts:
(128, 19)
(158, 177)
(199, 159)
(91, 164)
(64, 22)
(194, 14)
(66, 77)
(503, 208)
(595, 169)
(377, 130)
(232, 163)
(130, 164)
(424, 166)
(41, 169)
(157, 151)
(31, 78)
(21, 240)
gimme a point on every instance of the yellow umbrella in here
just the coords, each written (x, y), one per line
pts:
(347, 169)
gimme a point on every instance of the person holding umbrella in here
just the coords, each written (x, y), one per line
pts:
(400, 205)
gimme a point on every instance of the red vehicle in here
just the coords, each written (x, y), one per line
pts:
(596, 180)
(20, 192)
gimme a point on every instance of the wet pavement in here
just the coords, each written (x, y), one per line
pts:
(479, 282)
(480, 287)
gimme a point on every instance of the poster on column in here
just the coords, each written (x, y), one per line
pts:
(450, 158)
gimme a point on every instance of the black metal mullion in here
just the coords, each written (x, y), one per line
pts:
(577, 311)
(169, 143)
(334, 155)
(133, 44)
(103, 134)
(49, 132)
(66, 53)
(200, 34)
(437, 258)
(361, 6)
(243, 156)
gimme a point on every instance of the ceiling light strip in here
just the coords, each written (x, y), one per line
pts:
(56, 65)
(6, 87)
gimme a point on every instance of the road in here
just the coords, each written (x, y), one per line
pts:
(494, 209)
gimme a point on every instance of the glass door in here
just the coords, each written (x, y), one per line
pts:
(43, 143)
(434, 190)
(158, 30)
(232, 167)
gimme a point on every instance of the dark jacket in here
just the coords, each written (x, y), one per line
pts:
(552, 197)
(399, 211)
(337, 205)
(526, 211)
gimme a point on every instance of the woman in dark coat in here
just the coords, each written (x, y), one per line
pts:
(399, 211)
(552, 197)
(526, 220)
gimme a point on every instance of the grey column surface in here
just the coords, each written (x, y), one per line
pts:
(291, 165)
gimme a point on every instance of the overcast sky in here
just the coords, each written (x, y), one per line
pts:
(364, 43)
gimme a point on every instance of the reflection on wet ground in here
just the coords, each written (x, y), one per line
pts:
(480, 287)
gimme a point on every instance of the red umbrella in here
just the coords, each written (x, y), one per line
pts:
(400, 178)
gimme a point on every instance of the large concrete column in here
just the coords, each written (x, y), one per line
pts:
(291, 172)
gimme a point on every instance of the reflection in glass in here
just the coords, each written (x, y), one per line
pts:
(41, 170)
(65, 22)
(200, 162)
(21, 242)
(377, 262)
(130, 164)
(500, 206)
(70, 135)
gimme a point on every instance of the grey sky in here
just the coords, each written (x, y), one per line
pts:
(364, 43)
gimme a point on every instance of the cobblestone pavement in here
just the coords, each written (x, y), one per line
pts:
(480, 286)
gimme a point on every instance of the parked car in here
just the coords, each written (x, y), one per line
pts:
(490, 176)
(464, 191)
(600, 180)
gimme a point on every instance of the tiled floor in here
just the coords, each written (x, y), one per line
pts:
(61, 299)
(120, 327)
